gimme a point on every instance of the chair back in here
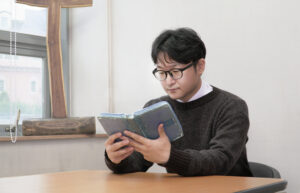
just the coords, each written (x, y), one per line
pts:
(264, 171)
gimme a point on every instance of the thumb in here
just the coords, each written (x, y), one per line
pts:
(161, 131)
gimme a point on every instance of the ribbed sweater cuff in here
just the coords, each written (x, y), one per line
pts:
(178, 161)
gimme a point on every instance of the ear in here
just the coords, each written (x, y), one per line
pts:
(201, 66)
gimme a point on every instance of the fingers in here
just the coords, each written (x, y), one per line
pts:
(117, 156)
(124, 153)
(119, 145)
(117, 151)
(137, 146)
(112, 138)
(136, 137)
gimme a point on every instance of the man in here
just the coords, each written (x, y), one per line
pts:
(215, 122)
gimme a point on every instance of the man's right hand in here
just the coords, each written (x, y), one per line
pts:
(117, 151)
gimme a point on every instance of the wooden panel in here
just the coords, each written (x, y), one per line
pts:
(83, 125)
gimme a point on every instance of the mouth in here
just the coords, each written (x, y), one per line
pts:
(172, 90)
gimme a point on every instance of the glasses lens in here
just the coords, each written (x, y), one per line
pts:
(160, 75)
(176, 74)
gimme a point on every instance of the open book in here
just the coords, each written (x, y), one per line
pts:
(144, 122)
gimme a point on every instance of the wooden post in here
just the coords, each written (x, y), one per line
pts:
(57, 93)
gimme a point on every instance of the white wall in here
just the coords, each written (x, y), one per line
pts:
(253, 50)
(47, 156)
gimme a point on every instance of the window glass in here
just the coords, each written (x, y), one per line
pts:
(23, 18)
(1, 85)
(20, 91)
(33, 86)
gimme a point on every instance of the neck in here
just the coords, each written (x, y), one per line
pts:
(196, 89)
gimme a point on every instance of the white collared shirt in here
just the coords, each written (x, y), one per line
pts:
(204, 90)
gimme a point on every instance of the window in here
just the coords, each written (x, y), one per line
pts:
(24, 83)
(17, 94)
(1, 85)
(33, 86)
(27, 19)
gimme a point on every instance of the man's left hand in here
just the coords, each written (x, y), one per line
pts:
(157, 151)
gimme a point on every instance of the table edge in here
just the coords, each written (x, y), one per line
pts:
(269, 188)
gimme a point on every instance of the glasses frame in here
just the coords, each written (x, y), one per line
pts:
(170, 71)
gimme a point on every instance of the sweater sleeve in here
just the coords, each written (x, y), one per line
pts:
(133, 163)
(225, 147)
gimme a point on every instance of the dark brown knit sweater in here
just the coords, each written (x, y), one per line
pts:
(215, 129)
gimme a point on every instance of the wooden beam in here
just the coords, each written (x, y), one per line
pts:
(37, 3)
(55, 65)
(68, 126)
(75, 3)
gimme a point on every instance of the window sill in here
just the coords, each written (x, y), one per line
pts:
(46, 137)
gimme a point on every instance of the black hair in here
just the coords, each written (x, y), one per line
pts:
(182, 45)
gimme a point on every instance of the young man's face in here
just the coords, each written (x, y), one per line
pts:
(185, 87)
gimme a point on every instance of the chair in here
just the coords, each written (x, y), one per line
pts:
(264, 171)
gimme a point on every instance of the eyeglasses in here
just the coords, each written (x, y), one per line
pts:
(176, 73)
